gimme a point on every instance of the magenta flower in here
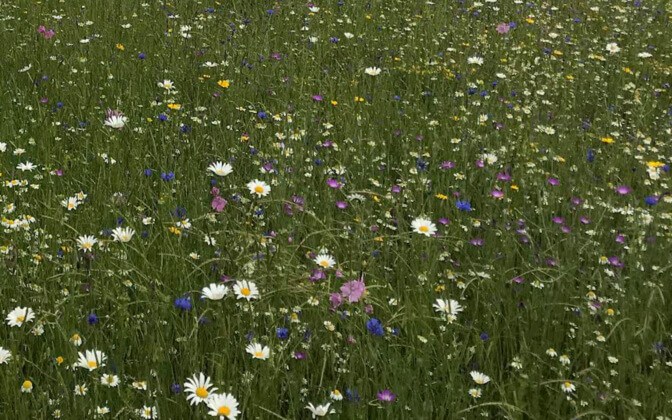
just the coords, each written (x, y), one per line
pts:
(497, 194)
(334, 183)
(353, 290)
(503, 176)
(554, 181)
(447, 165)
(341, 205)
(335, 299)
(317, 98)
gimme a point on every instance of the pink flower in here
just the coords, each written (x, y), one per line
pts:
(335, 299)
(353, 290)
(503, 28)
(218, 204)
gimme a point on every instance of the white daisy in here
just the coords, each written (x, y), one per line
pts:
(372, 71)
(109, 380)
(199, 389)
(568, 387)
(221, 169)
(5, 356)
(224, 406)
(245, 289)
(325, 261)
(259, 188)
(423, 226)
(258, 351)
(447, 306)
(122, 234)
(479, 378)
(19, 315)
(86, 242)
(91, 360)
(613, 48)
(320, 410)
(214, 291)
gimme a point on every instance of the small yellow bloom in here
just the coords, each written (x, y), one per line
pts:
(224, 83)
(557, 53)
(529, 20)
(514, 187)
(174, 230)
(334, 103)
(120, 47)
(174, 106)
(607, 140)
(359, 99)
(379, 239)
(442, 196)
(656, 164)
(59, 360)
(440, 288)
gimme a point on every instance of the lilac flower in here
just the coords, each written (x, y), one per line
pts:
(554, 181)
(342, 205)
(335, 299)
(623, 190)
(386, 396)
(353, 290)
(503, 28)
(333, 183)
(218, 204)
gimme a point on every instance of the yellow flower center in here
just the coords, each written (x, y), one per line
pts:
(424, 229)
(93, 364)
(259, 189)
(27, 384)
(224, 411)
(324, 263)
(110, 379)
(202, 392)
(245, 291)
(20, 318)
(568, 384)
(258, 354)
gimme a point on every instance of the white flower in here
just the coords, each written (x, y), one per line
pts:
(167, 85)
(109, 380)
(423, 226)
(475, 392)
(372, 71)
(551, 352)
(86, 242)
(245, 289)
(115, 119)
(224, 406)
(479, 377)
(214, 291)
(122, 234)
(81, 390)
(325, 261)
(5, 355)
(568, 387)
(102, 410)
(475, 60)
(149, 412)
(91, 360)
(258, 351)
(221, 169)
(320, 410)
(336, 395)
(564, 359)
(28, 166)
(259, 188)
(447, 306)
(644, 55)
(613, 48)
(19, 315)
(198, 389)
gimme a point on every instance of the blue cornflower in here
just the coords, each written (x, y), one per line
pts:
(92, 319)
(283, 333)
(168, 176)
(375, 327)
(651, 201)
(183, 303)
(463, 205)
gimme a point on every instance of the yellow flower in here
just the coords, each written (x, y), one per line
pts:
(557, 53)
(174, 106)
(442, 196)
(334, 103)
(656, 164)
(359, 99)
(120, 47)
(174, 230)
(379, 239)
(440, 288)
(59, 360)
(514, 187)
(529, 20)
(607, 140)
(224, 83)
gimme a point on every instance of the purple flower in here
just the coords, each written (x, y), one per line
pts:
(335, 299)
(218, 204)
(317, 98)
(554, 181)
(341, 205)
(497, 194)
(447, 165)
(623, 190)
(334, 183)
(503, 28)
(386, 396)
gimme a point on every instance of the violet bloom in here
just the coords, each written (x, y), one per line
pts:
(353, 290)
(334, 183)
(503, 176)
(444, 221)
(395, 189)
(335, 299)
(447, 165)
(558, 220)
(554, 181)
(317, 98)
(477, 242)
(341, 205)
(623, 190)
(317, 275)
(386, 396)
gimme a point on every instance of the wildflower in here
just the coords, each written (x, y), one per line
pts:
(613, 48)
(81, 390)
(320, 410)
(375, 327)
(259, 188)
(224, 406)
(423, 226)
(245, 289)
(91, 360)
(27, 386)
(224, 83)
(120, 234)
(258, 351)
(475, 393)
(167, 85)
(564, 359)
(479, 377)
(86, 243)
(336, 395)
(551, 352)
(183, 303)
(568, 387)
(325, 261)
(19, 315)
(220, 169)
(5, 356)
(448, 307)
(215, 291)
(463, 205)
(353, 290)
(115, 119)
(503, 28)
(109, 380)
(147, 412)
(199, 389)
(386, 396)
(372, 71)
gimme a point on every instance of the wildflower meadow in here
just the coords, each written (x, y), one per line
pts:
(445, 209)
